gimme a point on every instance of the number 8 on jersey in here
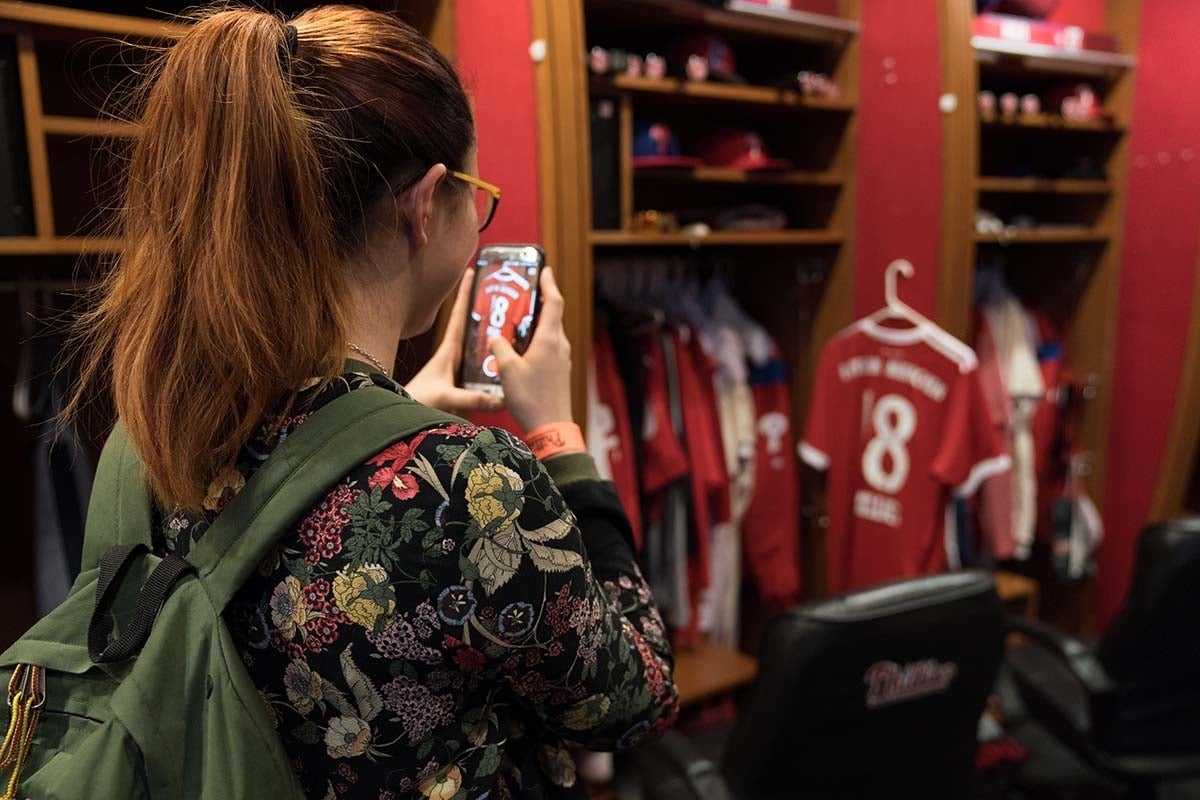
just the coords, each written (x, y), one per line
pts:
(885, 461)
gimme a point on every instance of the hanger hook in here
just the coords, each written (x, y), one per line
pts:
(900, 266)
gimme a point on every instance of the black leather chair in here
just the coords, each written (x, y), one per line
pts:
(873, 694)
(1130, 705)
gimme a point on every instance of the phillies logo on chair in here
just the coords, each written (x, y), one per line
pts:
(888, 682)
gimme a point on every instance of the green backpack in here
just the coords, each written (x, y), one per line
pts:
(163, 707)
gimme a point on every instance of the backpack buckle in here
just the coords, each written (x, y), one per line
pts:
(28, 680)
(26, 696)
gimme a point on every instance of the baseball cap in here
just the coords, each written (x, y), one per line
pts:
(655, 145)
(722, 65)
(739, 149)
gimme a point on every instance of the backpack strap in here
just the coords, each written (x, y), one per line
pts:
(302, 469)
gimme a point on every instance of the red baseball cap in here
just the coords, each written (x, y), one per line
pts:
(739, 149)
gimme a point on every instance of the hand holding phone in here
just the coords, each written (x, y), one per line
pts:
(505, 303)
(435, 384)
(537, 384)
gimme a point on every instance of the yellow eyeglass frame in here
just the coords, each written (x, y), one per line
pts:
(490, 188)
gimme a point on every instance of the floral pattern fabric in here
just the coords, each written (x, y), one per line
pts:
(435, 627)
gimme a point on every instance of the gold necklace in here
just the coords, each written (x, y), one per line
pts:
(374, 361)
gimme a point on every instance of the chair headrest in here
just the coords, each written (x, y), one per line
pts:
(1174, 539)
(899, 597)
(856, 687)
(1153, 635)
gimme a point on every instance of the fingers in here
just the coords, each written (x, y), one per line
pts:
(552, 301)
(464, 401)
(503, 350)
(455, 329)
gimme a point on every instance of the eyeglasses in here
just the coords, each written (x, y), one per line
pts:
(487, 198)
(487, 195)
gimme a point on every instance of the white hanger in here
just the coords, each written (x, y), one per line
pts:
(922, 326)
(894, 307)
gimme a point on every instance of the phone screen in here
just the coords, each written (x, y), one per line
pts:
(504, 303)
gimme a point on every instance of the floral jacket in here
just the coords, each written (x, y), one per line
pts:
(447, 619)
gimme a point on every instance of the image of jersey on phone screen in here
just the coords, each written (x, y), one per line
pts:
(505, 303)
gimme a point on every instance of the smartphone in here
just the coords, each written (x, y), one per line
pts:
(504, 302)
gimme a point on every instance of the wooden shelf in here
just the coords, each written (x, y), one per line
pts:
(1043, 58)
(82, 126)
(1044, 236)
(709, 670)
(1050, 122)
(57, 245)
(725, 175)
(1017, 590)
(47, 16)
(749, 19)
(1042, 185)
(718, 92)
(760, 238)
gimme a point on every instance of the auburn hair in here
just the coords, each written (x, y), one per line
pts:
(262, 150)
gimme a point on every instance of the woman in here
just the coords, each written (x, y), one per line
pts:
(303, 194)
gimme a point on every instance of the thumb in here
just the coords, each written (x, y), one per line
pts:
(503, 350)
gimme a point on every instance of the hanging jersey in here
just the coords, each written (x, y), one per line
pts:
(709, 480)
(663, 473)
(1051, 450)
(701, 427)
(899, 421)
(610, 440)
(995, 506)
(720, 609)
(735, 410)
(771, 526)
(663, 457)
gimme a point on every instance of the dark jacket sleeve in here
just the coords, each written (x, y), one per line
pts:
(575, 634)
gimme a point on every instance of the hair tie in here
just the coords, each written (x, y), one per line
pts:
(287, 48)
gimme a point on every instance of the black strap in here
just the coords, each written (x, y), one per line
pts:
(150, 600)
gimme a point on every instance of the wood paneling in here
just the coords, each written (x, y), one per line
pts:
(81, 126)
(718, 238)
(676, 90)
(566, 174)
(35, 139)
(1042, 185)
(1044, 236)
(48, 16)
(960, 165)
(684, 14)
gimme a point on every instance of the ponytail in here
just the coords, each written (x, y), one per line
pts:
(228, 293)
(264, 150)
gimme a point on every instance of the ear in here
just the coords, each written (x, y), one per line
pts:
(416, 206)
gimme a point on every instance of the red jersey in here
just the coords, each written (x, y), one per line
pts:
(663, 458)
(709, 479)
(610, 440)
(899, 421)
(771, 525)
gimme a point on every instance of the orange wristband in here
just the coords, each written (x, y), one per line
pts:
(555, 439)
